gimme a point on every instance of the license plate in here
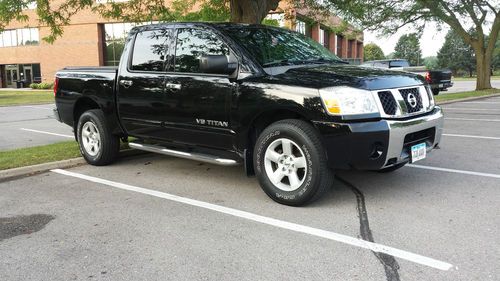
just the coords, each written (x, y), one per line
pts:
(418, 152)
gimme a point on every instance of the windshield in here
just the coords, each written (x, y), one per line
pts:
(273, 47)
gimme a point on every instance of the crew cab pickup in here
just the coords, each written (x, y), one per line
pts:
(270, 99)
(439, 80)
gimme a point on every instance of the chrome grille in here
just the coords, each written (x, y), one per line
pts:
(412, 99)
(388, 102)
(404, 102)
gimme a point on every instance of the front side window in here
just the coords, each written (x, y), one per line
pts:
(150, 50)
(272, 47)
(192, 44)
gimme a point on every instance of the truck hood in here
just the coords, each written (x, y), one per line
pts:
(330, 75)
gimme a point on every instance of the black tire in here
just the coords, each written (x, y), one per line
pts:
(391, 168)
(109, 144)
(435, 91)
(317, 177)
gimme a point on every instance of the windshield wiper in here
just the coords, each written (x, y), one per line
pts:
(322, 59)
(277, 62)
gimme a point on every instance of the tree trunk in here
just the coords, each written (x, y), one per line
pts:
(483, 69)
(251, 11)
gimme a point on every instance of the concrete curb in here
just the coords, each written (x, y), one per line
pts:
(469, 99)
(15, 173)
(39, 168)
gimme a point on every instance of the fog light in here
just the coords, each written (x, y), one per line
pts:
(377, 151)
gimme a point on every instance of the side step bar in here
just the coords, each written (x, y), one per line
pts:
(182, 154)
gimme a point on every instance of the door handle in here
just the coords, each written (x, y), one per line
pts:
(173, 86)
(126, 83)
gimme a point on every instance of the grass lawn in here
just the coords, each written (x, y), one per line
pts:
(472, 78)
(461, 95)
(25, 97)
(38, 154)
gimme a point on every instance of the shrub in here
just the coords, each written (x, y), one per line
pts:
(41, 86)
(45, 85)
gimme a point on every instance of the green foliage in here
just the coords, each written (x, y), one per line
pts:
(408, 47)
(388, 16)
(456, 54)
(41, 86)
(431, 62)
(373, 52)
(271, 22)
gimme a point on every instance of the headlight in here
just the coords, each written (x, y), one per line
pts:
(348, 101)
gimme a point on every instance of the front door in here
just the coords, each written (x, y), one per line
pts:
(198, 103)
(141, 93)
(28, 75)
(11, 75)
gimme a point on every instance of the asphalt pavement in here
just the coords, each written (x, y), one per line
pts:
(152, 217)
(465, 86)
(30, 125)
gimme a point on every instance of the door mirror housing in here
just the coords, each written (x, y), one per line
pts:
(216, 64)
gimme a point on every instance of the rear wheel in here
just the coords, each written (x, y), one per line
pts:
(290, 163)
(97, 145)
(435, 91)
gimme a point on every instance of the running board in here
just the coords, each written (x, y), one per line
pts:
(213, 159)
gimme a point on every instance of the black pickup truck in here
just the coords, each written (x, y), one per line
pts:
(438, 80)
(268, 98)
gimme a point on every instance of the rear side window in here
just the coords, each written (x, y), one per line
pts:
(191, 44)
(150, 50)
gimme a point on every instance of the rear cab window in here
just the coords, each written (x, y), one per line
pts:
(150, 50)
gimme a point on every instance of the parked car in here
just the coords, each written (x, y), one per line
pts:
(439, 80)
(271, 99)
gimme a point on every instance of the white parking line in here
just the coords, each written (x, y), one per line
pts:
(496, 176)
(471, 136)
(469, 119)
(482, 102)
(270, 221)
(474, 109)
(47, 133)
(37, 107)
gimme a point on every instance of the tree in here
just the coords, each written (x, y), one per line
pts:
(373, 52)
(408, 47)
(57, 15)
(456, 54)
(482, 16)
(431, 62)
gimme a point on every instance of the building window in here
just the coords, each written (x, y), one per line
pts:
(340, 45)
(19, 37)
(324, 37)
(114, 37)
(300, 27)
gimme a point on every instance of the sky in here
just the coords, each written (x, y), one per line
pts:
(431, 41)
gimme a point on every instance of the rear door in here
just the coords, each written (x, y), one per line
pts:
(197, 104)
(141, 87)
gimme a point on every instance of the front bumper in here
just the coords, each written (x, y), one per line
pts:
(379, 144)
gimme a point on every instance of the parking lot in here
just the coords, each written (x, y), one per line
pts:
(151, 217)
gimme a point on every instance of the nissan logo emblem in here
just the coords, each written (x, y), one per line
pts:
(412, 100)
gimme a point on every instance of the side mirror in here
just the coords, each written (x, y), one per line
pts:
(216, 64)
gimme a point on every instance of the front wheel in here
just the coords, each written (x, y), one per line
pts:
(290, 163)
(97, 145)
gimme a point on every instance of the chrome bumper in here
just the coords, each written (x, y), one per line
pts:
(399, 129)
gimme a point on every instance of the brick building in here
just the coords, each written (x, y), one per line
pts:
(93, 41)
